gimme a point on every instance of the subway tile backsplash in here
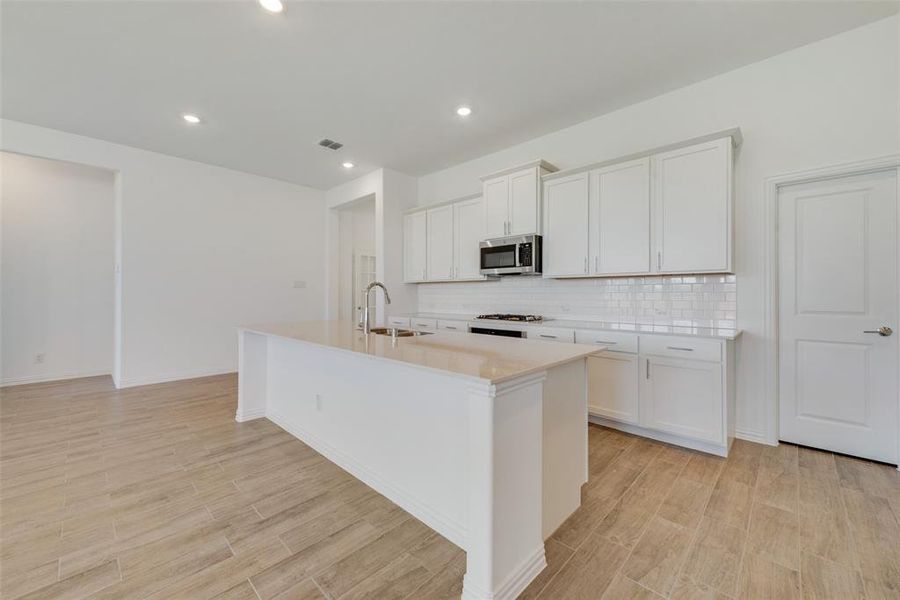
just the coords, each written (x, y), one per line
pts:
(699, 301)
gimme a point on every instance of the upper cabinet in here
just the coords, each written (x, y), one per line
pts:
(441, 243)
(566, 206)
(692, 202)
(620, 218)
(415, 226)
(468, 231)
(439, 237)
(668, 211)
(512, 200)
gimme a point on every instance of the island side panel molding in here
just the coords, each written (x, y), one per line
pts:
(252, 375)
(565, 438)
(505, 550)
(395, 427)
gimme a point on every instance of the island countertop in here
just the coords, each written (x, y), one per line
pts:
(478, 357)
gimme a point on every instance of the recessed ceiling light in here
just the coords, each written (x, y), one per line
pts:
(348, 165)
(192, 119)
(274, 6)
(464, 111)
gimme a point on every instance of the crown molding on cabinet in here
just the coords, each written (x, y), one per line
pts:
(420, 208)
(541, 164)
(734, 133)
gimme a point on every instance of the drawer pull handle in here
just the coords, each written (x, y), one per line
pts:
(680, 348)
(449, 327)
(544, 335)
(606, 343)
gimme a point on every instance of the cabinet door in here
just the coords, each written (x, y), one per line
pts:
(440, 243)
(613, 386)
(496, 207)
(566, 229)
(621, 216)
(692, 203)
(414, 248)
(468, 231)
(683, 397)
(524, 211)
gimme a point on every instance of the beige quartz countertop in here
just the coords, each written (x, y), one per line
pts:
(687, 328)
(479, 357)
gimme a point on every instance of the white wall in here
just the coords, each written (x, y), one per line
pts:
(830, 102)
(203, 250)
(57, 269)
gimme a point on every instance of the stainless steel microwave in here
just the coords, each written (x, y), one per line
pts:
(513, 255)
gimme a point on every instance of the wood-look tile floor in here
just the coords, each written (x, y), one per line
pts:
(156, 492)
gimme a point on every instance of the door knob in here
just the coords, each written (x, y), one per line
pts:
(883, 331)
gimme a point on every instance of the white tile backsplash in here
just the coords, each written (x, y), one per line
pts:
(699, 301)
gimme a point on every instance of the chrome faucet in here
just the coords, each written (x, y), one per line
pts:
(387, 298)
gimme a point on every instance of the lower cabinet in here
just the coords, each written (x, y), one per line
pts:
(613, 385)
(683, 397)
(657, 393)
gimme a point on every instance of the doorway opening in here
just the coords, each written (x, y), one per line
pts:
(57, 269)
(356, 256)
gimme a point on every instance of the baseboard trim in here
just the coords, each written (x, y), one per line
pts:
(129, 382)
(51, 377)
(750, 435)
(250, 415)
(449, 528)
(710, 448)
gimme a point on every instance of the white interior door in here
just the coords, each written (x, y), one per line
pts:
(838, 282)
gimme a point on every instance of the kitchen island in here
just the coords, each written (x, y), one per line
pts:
(482, 438)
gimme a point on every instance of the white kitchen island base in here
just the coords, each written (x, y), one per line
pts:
(485, 444)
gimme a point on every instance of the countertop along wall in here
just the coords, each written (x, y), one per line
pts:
(831, 102)
(203, 250)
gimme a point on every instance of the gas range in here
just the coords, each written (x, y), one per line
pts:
(512, 317)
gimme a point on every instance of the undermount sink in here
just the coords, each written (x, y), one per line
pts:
(395, 332)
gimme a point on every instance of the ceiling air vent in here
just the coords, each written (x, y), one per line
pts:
(331, 144)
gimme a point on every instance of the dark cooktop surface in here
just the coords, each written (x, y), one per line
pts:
(512, 317)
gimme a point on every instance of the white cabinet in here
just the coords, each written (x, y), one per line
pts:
(551, 334)
(620, 218)
(439, 238)
(415, 228)
(613, 386)
(665, 212)
(671, 388)
(682, 397)
(512, 200)
(441, 243)
(693, 208)
(420, 324)
(496, 206)
(402, 322)
(468, 231)
(453, 325)
(524, 208)
(566, 228)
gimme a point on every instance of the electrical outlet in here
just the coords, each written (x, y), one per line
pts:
(299, 284)
(39, 358)
(319, 402)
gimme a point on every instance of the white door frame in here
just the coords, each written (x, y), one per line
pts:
(772, 187)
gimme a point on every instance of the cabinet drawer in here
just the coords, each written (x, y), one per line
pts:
(461, 326)
(615, 341)
(551, 334)
(682, 347)
(426, 324)
(398, 321)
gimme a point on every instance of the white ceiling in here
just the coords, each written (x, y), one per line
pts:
(384, 78)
